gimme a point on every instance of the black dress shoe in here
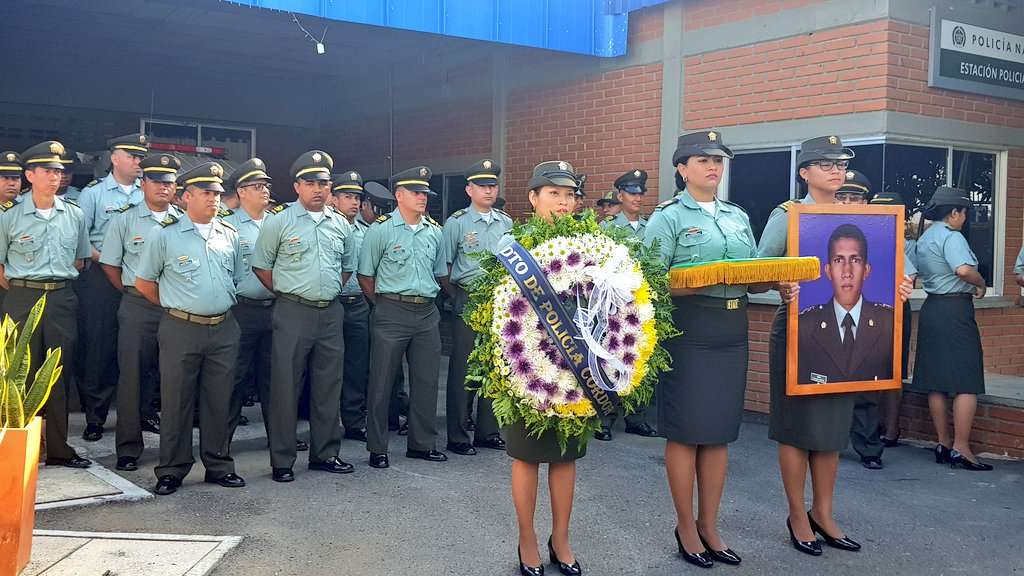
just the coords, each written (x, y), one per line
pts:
(890, 442)
(301, 446)
(525, 570)
(167, 485)
(726, 556)
(334, 465)
(644, 429)
(494, 443)
(73, 462)
(806, 546)
(127, 463)
(243, 420)
(843, 543)
(359, 435)
(403, 430)
(463, 448)
(701, 559)
(567, 569)
(229, 480)
(379, 460)
(941, 454)
(151, 425)
(604, 434)
(428, 455)
(872, 462)
(958, 460)
(92, 432)
(283, 475)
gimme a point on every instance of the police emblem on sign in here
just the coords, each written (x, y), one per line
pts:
(959, 36)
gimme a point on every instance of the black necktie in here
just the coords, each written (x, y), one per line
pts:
(848, 338)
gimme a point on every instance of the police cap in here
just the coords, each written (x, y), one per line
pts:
(43, 155)
(555, 173)
(484, 173)
(632, 182)
(209, 176)
(160, 167)
(415, 179)
(10, 164)
(134, 144)
(610, 198)
(946, 196)
(702, 143)
(823, 148)
(856, 183)
(252, 170)
(348, 182)
(313, 165)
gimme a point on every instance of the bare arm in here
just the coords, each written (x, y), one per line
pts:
(114, 275)
(267, 277)
(369, 287)
(970, 274)
(149, 290)
(3, 279)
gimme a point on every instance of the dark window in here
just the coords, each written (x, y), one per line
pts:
(915, 172)
(759, 181)
(974, 171)
(455, 193)
(172, 133)
(435, 207)
(870, 162)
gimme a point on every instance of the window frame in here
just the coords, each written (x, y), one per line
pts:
(199, 131)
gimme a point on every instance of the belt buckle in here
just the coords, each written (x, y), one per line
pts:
(732, 304)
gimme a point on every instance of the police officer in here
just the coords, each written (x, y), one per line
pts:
(401, 265)
(43, 244)
(190, 267)
(466, 233)
(608, 206)
(100, 202)
(305, 254)
(69, 159)
(10, 176)
(350, 200)
(629, 190)
(1018, 268)
(138, 318)
(251, 184)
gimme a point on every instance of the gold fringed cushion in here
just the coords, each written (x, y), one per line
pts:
(745, 271)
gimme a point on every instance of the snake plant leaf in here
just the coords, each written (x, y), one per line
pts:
(17, 373)
(13, 411)
(46, 377)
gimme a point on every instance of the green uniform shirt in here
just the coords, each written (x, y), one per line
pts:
(306, 257)
(359, 228)
(36, 248)
(620, 221)
(467, 232)
(401, 260)
(195, 275)
(940, 251)
(776, 231)
(125, 238)
(1018, 267)
(248, 232)
(72, 194)
(102, 201)
(686, 233)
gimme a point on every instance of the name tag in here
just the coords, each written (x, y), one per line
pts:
(819, 378)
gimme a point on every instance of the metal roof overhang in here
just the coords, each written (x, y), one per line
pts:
(591, 27)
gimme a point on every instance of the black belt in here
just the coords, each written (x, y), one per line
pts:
(304, 301)
(404, 298)
(353, 299)
(255, 302)
(46, 284)
(197, 318)
(952, 295)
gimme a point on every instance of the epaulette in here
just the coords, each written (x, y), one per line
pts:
(229, 226)
(72, 202)
(502, 212)
(881, 305)
(124, 208)
(609, 218)
(666, 204)
(278, 208)
(94, 182)
(6, 206)
(458, 213)
(383, 218)
(786, 205)
(171, 219)
(432, 221)
(733, 204)
(225, 212)
(812, 309)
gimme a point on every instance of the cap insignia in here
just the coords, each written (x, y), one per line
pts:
(317, 157)
(257, 162)
(164, 160)
(850, 175)
(563, 166)
(216, 170)
(636, 173)
(353, 176)
(833, 140)
(11, 157)
(712, 136)
(142, 138)
(423, 172)
(56, 148)
(487, 164)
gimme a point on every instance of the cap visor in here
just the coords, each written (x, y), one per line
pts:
(484, 182)
(315, 176)
(717, 150)
(844, 154)
(160, 177)
(563, 181)
(56, 165)
(632, 189)
(209, 186)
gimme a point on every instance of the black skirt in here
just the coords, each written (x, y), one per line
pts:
(949, 357)
(700, 401)
(521, 446)
(818, 423)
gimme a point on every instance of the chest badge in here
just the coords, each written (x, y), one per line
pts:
(471, 240)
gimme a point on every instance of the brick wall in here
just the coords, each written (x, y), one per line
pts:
(708, 13)
(646, 24)
(603, 125)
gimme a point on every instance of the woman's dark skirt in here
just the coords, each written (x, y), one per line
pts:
(818, 423)
(539, 450)
(700, 401)
(949, 357)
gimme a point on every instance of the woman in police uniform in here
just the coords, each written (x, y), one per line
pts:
(949, 356)
(700, 402)
(553, 190)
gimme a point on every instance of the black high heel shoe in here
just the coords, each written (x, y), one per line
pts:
(810, 547)
(890, 442)
(941, 454)
(525, 570)
(958, 460)
(726, 556)
(701, 559)
(843, 543)
(567, 569)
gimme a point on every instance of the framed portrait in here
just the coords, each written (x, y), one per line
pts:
(844, 330)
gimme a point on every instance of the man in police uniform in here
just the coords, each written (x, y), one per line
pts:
(68, 192)
(190, 267)
(10, 176)
(349, 200)
(401, 266)
(100, 202)
(138, 318)
(1018, 268)
(43, 245)
(305, 254)
(608, 206)
(468, 232)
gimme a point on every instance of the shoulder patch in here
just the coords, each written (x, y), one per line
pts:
(458, 213)
(229, 226)
(225, 212)
(278, 208)
(432, 221)
(171, 219)
(124, 208)
(786, 205)
(383, 218)
(93, 183)
(666, 204)
(6, 206)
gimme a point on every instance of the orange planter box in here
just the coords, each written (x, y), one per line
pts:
(19, 467)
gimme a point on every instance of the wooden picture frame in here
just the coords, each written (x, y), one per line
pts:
(822, 368)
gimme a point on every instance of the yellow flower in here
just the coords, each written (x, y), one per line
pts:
(642, 295)
(582, 408)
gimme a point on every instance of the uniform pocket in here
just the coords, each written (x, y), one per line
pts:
(27, 248)
(186, 268)
(688, 245)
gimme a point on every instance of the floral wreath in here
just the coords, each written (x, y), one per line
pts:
(515, 362)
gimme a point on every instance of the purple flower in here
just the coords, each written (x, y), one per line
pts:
(522, 367)
(573, 259)
(555, 266)
(632, 319)
(512, 329)
(589, 262)
(614, 325)
(628, 340)
(628, 358)
(539, 326)
(544, 406)
(550, 387)
(572, 395)
(516, 349)
(535, 385)
(517, 307)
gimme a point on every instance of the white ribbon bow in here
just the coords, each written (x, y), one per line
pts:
(614, 284)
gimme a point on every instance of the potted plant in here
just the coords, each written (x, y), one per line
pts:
(20, 430)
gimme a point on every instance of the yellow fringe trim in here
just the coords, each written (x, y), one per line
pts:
(745, 271)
